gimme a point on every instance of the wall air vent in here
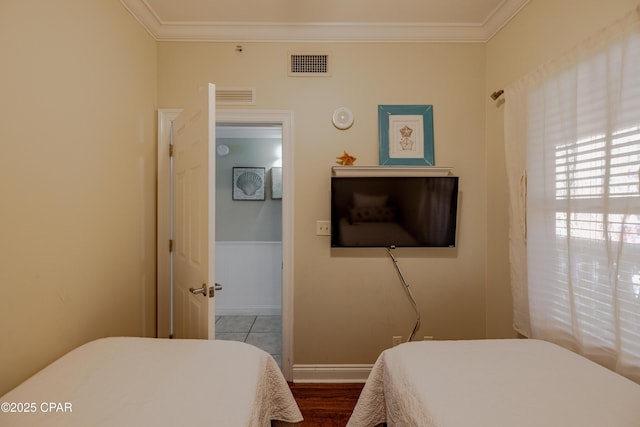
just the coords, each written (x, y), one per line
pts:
(235, 96)
(309, 64)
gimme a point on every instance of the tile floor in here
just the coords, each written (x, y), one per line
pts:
(262, 331)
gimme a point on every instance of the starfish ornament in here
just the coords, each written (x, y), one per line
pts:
(346, 159)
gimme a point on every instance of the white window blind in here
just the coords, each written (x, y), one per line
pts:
(579, 121)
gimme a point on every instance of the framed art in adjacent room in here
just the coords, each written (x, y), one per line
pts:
(248, 183)
(405, 135)
(276, 183)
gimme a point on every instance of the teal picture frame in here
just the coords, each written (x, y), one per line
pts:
(405, 134)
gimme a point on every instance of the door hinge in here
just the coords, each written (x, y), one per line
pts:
(170, 150)
(171, 245)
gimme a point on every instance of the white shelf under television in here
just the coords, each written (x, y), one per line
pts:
(356, 171)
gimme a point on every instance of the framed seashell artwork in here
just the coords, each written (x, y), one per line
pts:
(248, 183)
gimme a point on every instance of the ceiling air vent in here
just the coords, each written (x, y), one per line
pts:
(235, 96)
(309, 64)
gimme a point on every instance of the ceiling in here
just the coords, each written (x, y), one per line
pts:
(378, 21)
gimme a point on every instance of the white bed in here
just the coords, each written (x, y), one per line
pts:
(155, 382)
(493, 383)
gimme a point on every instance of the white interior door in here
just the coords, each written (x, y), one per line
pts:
(194, 218)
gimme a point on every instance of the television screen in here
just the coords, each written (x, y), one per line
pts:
(394, 211)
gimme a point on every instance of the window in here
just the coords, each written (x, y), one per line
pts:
(577, 122)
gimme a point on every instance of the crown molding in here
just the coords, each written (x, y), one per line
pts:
(145, 16)
(320, 32)
(323, 32)
(501, 16)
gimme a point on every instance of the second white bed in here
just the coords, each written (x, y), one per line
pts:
(492, 383)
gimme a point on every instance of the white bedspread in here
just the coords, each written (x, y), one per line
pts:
(156, 382)
(493, 383)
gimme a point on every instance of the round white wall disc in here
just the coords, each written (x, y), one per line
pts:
(342, 118)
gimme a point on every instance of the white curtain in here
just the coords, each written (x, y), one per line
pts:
(572, 140)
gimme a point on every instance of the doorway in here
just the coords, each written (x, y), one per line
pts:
(283, 119)
(249, 234)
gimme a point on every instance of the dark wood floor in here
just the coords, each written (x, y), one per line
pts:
(326, 405)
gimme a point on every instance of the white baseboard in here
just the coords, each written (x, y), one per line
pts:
(331, 373)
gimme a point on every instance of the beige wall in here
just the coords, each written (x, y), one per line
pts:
(542, 31)
(349, 303)
(77, 179)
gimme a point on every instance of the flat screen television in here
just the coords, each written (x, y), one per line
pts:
(413, 211)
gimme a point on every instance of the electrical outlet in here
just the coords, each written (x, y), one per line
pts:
(428, 338)
(397, 339)
(323, 228)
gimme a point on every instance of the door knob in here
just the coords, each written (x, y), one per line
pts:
(202, 290)
(206, 291)
(213, 289)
